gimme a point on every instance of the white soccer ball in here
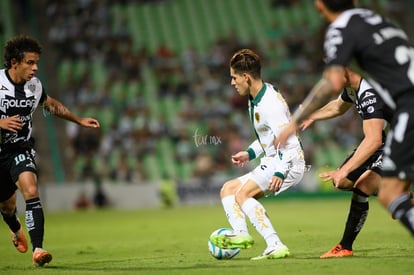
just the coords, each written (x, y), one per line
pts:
(221, 253)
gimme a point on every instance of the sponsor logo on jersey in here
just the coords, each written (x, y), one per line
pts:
(367, 94)
(3, 88)
(370, 109)
(368, 102)
(18, 103)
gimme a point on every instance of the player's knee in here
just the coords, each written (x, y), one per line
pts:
(8, 208)
(229, 188)
(382, 197)
(241, 197)
(30, 192)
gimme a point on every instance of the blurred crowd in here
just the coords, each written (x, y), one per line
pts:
(207, 121)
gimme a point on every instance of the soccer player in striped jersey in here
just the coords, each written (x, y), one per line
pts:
(361, 170)
(21, 92)
(279, 169)
(383, 52)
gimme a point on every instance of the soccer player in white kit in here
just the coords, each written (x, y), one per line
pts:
(278, 170)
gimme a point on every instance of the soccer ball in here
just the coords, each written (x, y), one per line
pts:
(221, 253)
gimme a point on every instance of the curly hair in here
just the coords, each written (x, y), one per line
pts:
(17, 46)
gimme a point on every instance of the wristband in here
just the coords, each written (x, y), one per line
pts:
(279, 175)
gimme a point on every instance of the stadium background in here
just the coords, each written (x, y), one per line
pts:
(154, 72)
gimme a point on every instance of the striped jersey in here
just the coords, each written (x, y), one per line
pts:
(19, 100)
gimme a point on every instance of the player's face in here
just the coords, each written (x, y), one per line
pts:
(27, 68)
(239, 82)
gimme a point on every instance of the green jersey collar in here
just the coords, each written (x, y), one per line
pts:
(259, 96)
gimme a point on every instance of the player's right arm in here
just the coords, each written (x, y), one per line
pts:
(333, 109)
(240, 159)
(12, 124)
(252, 152)
(332, 83)
(372, 141)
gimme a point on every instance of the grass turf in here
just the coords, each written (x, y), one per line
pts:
(174, 241)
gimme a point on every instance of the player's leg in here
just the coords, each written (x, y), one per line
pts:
(9, 213)
(27, 184)
(393, 194)
(247, 197)
(257, 187)
(398, 166)
(234, 214)
(358, 213)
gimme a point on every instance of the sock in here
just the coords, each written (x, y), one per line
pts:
(234, 214)
(261, 222)
(402, 208)
(357, 216)
(11, 221)
(35, 222)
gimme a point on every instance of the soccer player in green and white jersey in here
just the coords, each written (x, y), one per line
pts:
(279, 169)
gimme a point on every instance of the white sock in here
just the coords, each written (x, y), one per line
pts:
(234, 214)
(258, 217)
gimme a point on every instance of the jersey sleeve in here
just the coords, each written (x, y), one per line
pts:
(254, 150)
(371, 104)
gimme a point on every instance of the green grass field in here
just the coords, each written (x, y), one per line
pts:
(174, 241)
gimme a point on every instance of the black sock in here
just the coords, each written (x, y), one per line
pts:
(12, 222)
(35, 222)
(402, 208)
(357, 216)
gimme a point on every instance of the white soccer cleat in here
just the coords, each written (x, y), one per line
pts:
(273, 252)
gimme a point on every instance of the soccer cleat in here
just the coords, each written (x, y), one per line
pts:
(41, 257)
(336, 252)
(19, 240)
(232, 241)
(273, 252)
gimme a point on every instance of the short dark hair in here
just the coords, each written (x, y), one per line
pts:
(246, 61)
(339, 5)
(17, 46)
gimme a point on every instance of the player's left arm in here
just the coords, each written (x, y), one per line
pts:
(56, 108)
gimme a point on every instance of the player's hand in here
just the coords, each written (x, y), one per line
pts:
(12, 124)
(283, 136)
(275, 184)
(338, 178)
(240, 159)
(89, 122)
(306, 123)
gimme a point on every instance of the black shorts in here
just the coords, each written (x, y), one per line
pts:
(12, 163)
(374, 163)
(399, 148)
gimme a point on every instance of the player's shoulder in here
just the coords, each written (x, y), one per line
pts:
(273, 95)
(34, 85)
(366, 90)
(354, 16)
(3, 73)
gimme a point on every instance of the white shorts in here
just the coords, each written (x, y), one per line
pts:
(263, 173)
